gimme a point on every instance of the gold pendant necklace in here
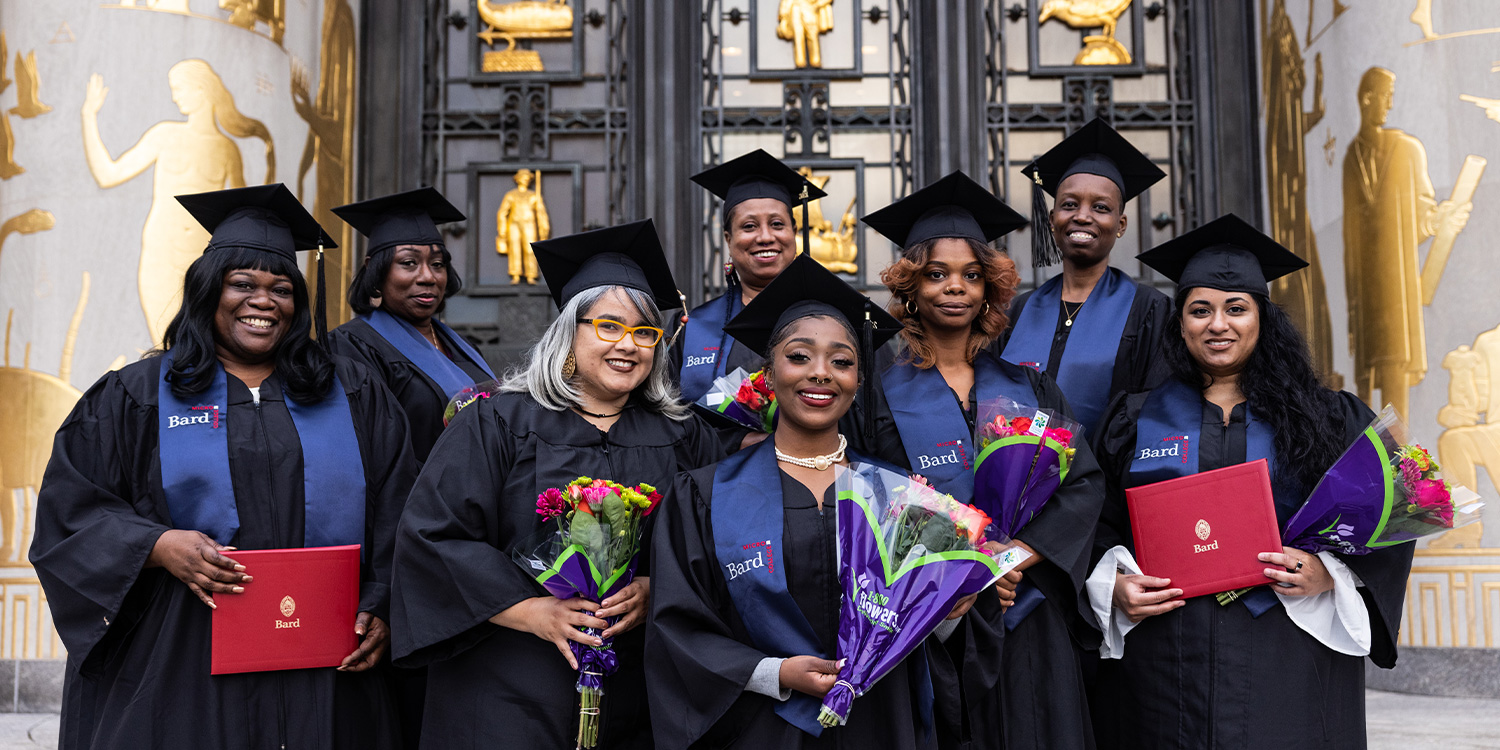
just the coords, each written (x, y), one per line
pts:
(1071, 315)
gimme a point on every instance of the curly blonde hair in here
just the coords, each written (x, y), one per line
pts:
(1000, 282)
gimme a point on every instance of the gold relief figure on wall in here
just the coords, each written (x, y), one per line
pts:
(1283, 72)
(246, 13)
(1098, 49)
(525, 19)
(1390, 209)
(834, 249)
(28, 85)
(521, 220)
(330, 144)
(1469, 440)
(803, 22)
(189, 157)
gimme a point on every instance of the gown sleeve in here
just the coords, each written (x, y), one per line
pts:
(1112, 446)
(390, 469)
(1146, 367)
(95, 522)
(1383, 572)
(451, 572)
(696, 665)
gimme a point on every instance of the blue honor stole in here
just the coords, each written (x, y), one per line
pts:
(1088, 361)
(194, 456)
(705, 345)
(1166, 438)
(938, 442)
(443, 372)
(747, 518)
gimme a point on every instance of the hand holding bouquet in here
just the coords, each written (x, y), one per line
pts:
(591, 553)
(907, 553)
(1385, 490)
(744, 399)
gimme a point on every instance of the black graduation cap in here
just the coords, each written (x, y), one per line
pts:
(756, 175)
(408, 218)
(262, 217)
(807, 288)
(1096, 148)
(954, 206)
(1227, 254)
(628, 255)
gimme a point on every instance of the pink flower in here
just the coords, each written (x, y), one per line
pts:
(1061, 435)
(550, 504)
(594, 496)
(919, 479)
(1432, 496)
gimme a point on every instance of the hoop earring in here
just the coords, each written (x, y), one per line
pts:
(569, 366)
(986, 310)
(911, 307)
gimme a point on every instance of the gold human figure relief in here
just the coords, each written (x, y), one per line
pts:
(246, 13)
(521, 220)
(189, 157)
(28, 101)
(803, 22)
(1303, 296)
(330, 145)
(33, 405)
(1470, 440)
(834, 249)
(510, 59)
(1098, 49)
(526, 19)
(1422, 17)
(1491, 107)
(1390, 209)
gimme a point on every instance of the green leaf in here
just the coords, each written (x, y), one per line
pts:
(586, 532)
(939, 534)
(615, 511)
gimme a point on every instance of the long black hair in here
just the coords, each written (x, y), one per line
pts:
(371, 277)
(1281, 388)
(302, 364)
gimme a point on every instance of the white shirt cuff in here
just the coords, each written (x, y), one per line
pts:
(766, 680)
(945, 629)
(1101, 589)
(1338, 618)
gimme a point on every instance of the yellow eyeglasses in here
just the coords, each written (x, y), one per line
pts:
(613, 330)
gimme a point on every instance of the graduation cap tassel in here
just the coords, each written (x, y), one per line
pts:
(1044, 251)
(867, 377)
(682, 321)
(320, 316)
(806, 227)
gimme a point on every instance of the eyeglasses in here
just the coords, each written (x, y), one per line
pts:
(613, 330)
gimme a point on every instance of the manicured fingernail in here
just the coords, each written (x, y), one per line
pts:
(239, 589)
(211, 605)
(240, 568)
(246, 579)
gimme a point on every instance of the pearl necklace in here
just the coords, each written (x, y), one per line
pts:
(821, 463)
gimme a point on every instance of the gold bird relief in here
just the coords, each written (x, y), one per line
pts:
(28, 84)
(1101, 49)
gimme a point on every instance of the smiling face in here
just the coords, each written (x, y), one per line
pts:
(950, 290)
(815, 373)
(762, 240)
(1220, 329)
(1087, 219)
(255, 311)
(610, 370)
(414, 285)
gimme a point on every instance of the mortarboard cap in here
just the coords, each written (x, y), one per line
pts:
(756, 175)
(1225, 254)
(806, 288)
(954, 206)
(262, 217)
(1096, 148)
(408, 218)
(628, 255)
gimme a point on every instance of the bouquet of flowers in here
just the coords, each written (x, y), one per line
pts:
(591, 553)
(1385, 490)
(744, 399)
(907, 553)
(468, 396)
(1024, 455)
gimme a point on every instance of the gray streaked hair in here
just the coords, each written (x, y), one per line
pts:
(542, 376)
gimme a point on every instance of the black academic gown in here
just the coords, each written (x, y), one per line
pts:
(1035, 698)
(730, 434)
(420, 397)
(1209, 676)
(700, 656)
(1138, 364)
(138, 640)
(472, 506)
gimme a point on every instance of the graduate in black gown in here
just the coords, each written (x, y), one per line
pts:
(594, 399)
(950, 289)
(240, 434)
(746, 596)
(397, 296)
(1093, 329)
(758, 195)
(1282, 666)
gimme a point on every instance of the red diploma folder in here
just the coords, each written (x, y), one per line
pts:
(1205, 531)
(297, 613)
